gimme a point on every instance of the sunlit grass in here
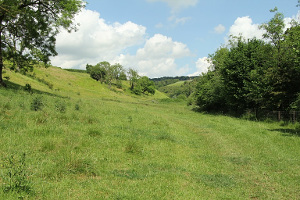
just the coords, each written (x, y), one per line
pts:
(100, 144)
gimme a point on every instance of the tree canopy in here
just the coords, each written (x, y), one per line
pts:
(254, 74)
(28, 29)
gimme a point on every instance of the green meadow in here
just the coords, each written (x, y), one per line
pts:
(67, 136)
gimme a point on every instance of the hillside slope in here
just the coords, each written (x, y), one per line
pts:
(60, 82)
(81, 140)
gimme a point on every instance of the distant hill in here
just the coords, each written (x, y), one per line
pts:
(164, 81)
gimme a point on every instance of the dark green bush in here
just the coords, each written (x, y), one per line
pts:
(37, 103)
(61, 106)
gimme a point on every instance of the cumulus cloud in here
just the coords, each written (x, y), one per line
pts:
(95, 40)
(289, 20)
(220, 29)
(158, 57)
(177, 5)
(202, 65)
(244, 26)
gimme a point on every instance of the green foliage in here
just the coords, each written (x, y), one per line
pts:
(16, 174)
(28, 88)
(164, 81)
(180, 90)
(296, 104)
(96, 72)
(61, 106)
(37, 103)
(143, 85)
(105, 72)
(210, 93)
(254, 74)
(77, 106)
(28, 30)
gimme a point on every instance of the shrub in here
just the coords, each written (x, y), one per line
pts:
(37, 103)
(28, 88)
(77, 107)
(61, 106)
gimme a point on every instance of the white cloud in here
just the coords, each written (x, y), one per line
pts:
(157, 58)
(244, 26)
(95, 40)
(202, 65)
(288, 20)
(220, 29)
(177, 5)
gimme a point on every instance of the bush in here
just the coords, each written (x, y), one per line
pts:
(28, 88)
(61, 106)
(77, 107)
(37, 103)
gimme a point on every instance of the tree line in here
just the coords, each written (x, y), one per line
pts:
(254, 74)
(116, 73)
(164, 81)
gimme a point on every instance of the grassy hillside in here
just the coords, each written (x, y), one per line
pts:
(83, 141)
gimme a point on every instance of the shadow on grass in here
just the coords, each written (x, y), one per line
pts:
(16, 87)
(287, 132)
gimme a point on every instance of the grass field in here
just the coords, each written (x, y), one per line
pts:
(82, 140)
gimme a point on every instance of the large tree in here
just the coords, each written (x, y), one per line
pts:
(28, 29)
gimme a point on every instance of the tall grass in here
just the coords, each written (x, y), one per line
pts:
(93, 147)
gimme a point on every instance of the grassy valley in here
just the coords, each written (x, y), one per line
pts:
(71, 137)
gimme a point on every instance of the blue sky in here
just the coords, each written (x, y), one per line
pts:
(162, 37)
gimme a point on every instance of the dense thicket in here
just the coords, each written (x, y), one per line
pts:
(254, 74)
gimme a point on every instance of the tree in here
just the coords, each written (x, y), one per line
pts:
(284, 69)
(147, 85)
(210, 92)
(133, 77)
(143, 85)
(97, 73)
(28, 29)
(104, 69)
